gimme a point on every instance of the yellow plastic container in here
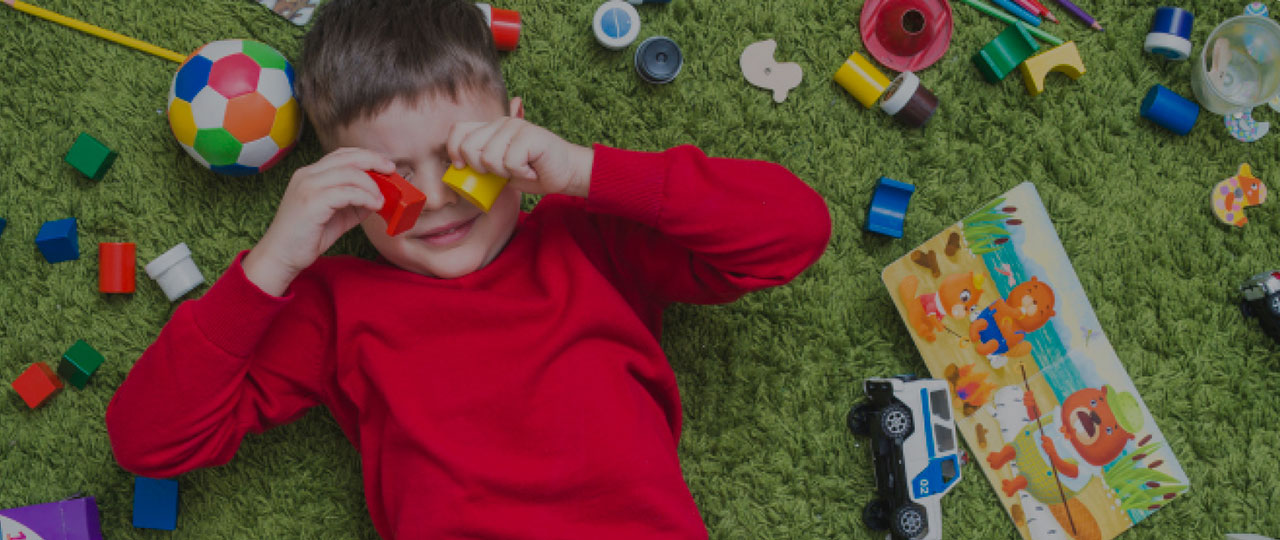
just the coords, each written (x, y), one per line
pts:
(480, 189)
(862, 79)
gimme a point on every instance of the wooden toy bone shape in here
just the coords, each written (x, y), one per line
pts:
(760, 69)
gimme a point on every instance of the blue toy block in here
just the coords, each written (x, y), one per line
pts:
(2, 224)
(889, 207)
(155, 503)
(58, 240)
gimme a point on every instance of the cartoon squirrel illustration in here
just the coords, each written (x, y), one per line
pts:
(998, 331)
(1088, 431)
(956, 297)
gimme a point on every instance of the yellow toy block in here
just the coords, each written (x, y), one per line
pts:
(859, 77)
(480, 189)
(1064, 59)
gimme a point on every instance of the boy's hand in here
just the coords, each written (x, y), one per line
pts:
(533, 159)
(323, 201)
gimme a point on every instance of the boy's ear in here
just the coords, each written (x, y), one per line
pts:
(517, 108)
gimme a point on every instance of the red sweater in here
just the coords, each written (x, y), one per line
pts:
(529, 399)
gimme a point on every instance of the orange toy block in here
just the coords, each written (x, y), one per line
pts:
(37, 384)
(402, 202)
(117, 267)
(1064, 59)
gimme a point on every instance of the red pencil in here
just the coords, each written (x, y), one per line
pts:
(1042, 11)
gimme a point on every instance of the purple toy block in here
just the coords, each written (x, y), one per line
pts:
(75, 519)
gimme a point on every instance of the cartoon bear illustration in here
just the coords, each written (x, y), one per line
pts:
(1087, 432)
(956, 297)
(998, 331)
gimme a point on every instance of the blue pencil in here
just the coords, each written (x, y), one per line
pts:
(1018, 12)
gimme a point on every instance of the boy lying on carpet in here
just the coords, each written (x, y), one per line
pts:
(500, 373)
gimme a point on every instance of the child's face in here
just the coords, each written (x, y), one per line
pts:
(452, 237)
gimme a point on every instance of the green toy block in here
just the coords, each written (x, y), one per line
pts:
(999, 58)
(90, 157)
(78, 363)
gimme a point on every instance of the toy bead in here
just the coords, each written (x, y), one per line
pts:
(658, 60)
(175, 272)
(59, 240)
(401, 202)
(504, 24)
(909, 101)
(1003, 54)
(72, 519)
(116, 267)
(760, 69)
(1244, 128)
(480, 189)
(37, 384)
(79, 363)
(889, 207)
(906, 35)
(155, 503)
(862, 80)
(1064, 59)
(1170, 110)
(1170, 34)
(616, 24)
(90, 157)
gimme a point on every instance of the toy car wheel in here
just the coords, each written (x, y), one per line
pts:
(858, 419)
(895, 421)
(875, 515)
(909, 522)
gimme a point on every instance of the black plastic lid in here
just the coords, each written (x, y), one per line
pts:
(658, 60)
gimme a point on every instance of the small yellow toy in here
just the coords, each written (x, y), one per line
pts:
(1231, 196)
(480, 189)
(862, 79)
(1064, 59)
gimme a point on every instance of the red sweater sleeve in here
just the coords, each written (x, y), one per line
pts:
(237, 360)
(705, 230)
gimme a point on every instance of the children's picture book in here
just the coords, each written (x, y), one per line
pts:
(1050, 414)
(296, 11)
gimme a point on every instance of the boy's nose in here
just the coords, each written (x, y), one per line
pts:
(437, 193)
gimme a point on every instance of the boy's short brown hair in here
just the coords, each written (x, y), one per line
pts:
(362, 55)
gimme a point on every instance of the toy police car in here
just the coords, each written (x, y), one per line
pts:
(917, 459)
(1262, 300)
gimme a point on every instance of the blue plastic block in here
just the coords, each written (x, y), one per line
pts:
(1170, 110)
(889, 207)
(2, 224)
(58, 240)
(155, 503)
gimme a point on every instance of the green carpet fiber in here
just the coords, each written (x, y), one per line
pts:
(766, 381)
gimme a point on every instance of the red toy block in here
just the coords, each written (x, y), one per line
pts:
(402, 202)
(117, 267)
(37, 384)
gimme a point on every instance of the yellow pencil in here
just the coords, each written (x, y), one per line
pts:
(95, 30)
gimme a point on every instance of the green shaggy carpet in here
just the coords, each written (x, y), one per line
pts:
(766, 381)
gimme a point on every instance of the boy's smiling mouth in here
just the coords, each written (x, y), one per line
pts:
(449, 233)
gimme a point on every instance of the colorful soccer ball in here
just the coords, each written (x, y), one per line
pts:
(231, 106)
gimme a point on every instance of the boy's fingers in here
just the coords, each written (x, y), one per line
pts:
(473, 146)
(497, 152)
(347, 196)
(352, 158)
(453, 146)
(519, 158)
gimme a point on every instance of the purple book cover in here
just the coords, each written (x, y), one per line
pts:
(75, 519)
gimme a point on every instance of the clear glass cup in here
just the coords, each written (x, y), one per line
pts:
(1239, 66)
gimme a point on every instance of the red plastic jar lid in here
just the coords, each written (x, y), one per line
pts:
(906, 35)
